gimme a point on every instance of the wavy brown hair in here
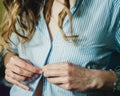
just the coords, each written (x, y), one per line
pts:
(25, 14)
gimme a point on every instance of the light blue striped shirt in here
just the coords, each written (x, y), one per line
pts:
(97, 22)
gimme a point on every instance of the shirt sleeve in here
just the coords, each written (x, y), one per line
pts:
(1, 66)
(116, 8)
(117, 38)
(14, 42)
(13, 45)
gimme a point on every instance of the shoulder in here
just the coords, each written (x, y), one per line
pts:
(112, 3)
(116, 3)
(114, 6)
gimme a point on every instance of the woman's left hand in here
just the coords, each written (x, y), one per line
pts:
(70, 76)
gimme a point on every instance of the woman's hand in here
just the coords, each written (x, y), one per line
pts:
(18, 70)
(75, 78)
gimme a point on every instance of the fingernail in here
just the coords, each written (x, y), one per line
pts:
(38, 70)
(27, 88)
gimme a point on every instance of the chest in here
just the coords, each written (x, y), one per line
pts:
(56, 8)
(93, 32)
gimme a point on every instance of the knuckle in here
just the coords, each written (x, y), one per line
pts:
(16, 83)
(12, 59)
(6, 77)
(46, 67)
(68, 87)
(7, 65)
(68, 66)
(69, 80)
(29, 74)
(24, 73)
(6, 71)
(19, 78)
(20, 71)
(69, 72)
(34, 69)
(22, 79)
(45, 74)
(23, 64)
(13, 76)
(51, 81)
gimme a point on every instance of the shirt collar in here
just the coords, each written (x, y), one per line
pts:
(77, 4)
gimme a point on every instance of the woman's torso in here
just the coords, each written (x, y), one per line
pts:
(93, 21)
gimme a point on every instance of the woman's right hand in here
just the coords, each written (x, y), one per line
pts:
(18, 70)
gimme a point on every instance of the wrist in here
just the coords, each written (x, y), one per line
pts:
(104, 80)
(2, 68)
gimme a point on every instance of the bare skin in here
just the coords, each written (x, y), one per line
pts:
(71, 77)
(53, 24)
(18, 70)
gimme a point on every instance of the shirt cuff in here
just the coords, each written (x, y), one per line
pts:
(117, 86)
(2, 68)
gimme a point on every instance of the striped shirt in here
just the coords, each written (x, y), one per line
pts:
(96, 22)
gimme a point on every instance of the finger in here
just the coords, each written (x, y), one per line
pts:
(25, 65)
(73, 87)
(55, 73)
(15, 76)
(21, 71)
(67, 86)
(55, 66)
(11, 80)
(58, 80)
